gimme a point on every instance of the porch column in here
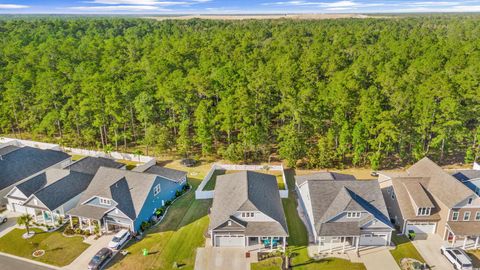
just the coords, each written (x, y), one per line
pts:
(445, 234)
(285, 244)
(90, 225)
(476, 242)
(271, 243)
(343, 248)
(43, 216)
(465, 241)
(71, 222)
(99, 227)
(331, 245)
(52, 218)
(106, 225)
(35, 215)
(357, 241)
(454, 239)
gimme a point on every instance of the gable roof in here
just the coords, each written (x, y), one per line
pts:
(300, 179)
(41, 180)
(90, 165)
(23, 162)
(418, 193)
(441, 184)
(466, 175)
(127, 188)
(329, 198)
(248, 191)
(62, 190)
(171, 174)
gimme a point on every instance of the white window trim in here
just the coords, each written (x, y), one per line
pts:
(453, 215)
(104, 201)
(465, 214)
(469, 201)
(156, 190)
(477, 216)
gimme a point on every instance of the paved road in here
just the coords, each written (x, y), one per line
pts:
(8, 263)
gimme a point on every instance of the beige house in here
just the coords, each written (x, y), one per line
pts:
(427, 200)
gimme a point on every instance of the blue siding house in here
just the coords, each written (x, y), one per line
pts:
(125, 199)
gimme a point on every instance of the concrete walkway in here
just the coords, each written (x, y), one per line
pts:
(81, 262)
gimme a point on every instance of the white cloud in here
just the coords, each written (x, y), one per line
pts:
(12, 6)
(139, 2)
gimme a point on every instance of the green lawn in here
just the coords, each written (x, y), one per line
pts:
(213, 180)
(475, 255)
(211, 183)
(404, 249)
(175, 240)
(298, 241)
(59, 250)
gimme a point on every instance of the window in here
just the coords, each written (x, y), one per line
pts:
(248, 214)
(35, 201)
(477, 216)
(156, 190)
(423, 211)
(466, 216)
(104, 201)
(455, 216)
(229, 223)
(353, 214)
(470, 200)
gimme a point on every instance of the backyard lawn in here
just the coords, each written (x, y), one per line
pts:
(298, 242)
(177, 238)
(213, 180)
(404, 249)
(59, 250)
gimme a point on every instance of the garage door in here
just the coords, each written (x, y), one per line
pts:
(373, 239)
(230, 241)
(425, 227)
(19, 208)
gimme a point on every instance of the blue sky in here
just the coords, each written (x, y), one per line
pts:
(233, 6)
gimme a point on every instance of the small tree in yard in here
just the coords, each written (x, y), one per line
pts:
(25, 220)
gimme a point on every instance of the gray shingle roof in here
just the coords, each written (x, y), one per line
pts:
(90, 165)
(330, 198)
(62, 190)
(300, 179)
(39, 181)
(418, 194)
(466, 175)
(441, 184)
(249, 191)
(7, 149)
(88, 211)
(172, 174)
(26, 161)
(128, 188)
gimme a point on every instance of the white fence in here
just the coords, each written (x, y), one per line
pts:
(16, 142)
(208, 194)
(145, 160)
(476, 166)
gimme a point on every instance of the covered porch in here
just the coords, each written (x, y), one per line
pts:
(266, 242)
(338, 244)
(88, 218)
(45, 216)
(459, 234)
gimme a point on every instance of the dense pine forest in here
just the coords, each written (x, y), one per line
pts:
(325, 93)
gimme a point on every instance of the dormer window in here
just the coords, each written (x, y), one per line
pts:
(423, 211)
(248, 214)
(353, 214)
(156, 190)
(105, 201)
(470, 200)
(229, 223)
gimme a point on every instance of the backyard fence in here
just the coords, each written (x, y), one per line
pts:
(208, 194)
(16, 142)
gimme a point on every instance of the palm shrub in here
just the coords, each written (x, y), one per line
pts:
(25, 220)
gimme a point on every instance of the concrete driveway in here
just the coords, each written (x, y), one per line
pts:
(10, 224)
(81, 262)
(378, 258)
(429, 248)
(215, 258)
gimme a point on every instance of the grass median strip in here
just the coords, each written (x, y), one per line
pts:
(404, 249)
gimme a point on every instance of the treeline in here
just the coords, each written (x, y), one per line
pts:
(325, 93)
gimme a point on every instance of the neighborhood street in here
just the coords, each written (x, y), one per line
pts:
(9, 263)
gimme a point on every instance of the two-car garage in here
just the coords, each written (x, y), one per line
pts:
(421, 227)
(229, 241)
(374, 239)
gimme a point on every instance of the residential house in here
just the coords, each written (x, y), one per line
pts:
(426, 199)
(17, 164)
(342, 212)
(119, 198)
(167, 173)
(247, 212)
(49, 195)
(470, 178)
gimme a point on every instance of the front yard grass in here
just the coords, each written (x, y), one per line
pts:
(404, 249)
(298, 241)
(175, 240)
(59, 250)
(475, 255)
